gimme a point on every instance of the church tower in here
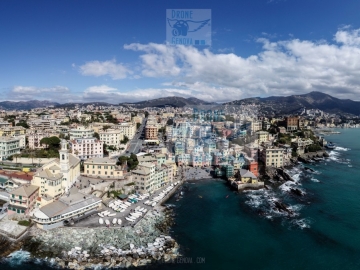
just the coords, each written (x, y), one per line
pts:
(65, 164)
(64, 157)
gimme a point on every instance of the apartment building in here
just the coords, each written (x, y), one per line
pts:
(102, 167)
(12, 131)
(273, 157)
(128, 129)
(149, 177)
(256, 126)
(85, 148)
(262, 136)
(9, 146)
(111, 137)
(81, 132)
(292, 123)
(34, 139)
(151, 132)
(22, 200)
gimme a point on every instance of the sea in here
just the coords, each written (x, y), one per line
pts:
(218, 228)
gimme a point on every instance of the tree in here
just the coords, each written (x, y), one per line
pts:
(50, 142)
(170, 122)
(138, 125)
(96, 135)
(22, 124)
(106, 127)
(125, 140)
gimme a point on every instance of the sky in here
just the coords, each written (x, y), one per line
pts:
(116, 50)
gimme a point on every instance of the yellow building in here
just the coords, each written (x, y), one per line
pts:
(56, 177)
(12, 131)
(103, 168)
(262, 136)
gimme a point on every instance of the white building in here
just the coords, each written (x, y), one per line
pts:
(9, 146)
(81, 132)
(111, 137)
(128, 129)
(85, 148)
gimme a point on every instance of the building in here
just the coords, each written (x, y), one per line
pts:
(81, 132)
(149, 177)
(22, 200)
(128, 129)
(9, 146)
(151, 132)
(85, 148)
(57, 176)
(12, 131)
(102, 167)
(273, 157)
(262, 136)
(111, 137)
(292, 123)
(69, 207)
(35, 138)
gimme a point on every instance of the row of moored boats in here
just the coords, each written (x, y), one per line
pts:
(161, 195)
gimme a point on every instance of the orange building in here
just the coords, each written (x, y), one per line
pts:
(254, 168)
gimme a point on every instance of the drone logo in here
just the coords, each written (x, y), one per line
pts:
(181, 27)
(188, 26)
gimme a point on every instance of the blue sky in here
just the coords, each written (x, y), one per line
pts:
(115, 51)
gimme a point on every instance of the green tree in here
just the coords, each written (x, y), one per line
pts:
(22, 124)
(96, 135)
(50, 142)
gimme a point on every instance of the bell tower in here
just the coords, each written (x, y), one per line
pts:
(64, 157)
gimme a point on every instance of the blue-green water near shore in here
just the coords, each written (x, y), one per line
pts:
(221, 229)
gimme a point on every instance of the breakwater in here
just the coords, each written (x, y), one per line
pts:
(80, 248)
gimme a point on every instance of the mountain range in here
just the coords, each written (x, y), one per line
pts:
(169, 101)
(291, 104)
(273, 105)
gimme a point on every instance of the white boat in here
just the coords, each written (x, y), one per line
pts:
(153, 204)
(107, 222)
(130, 219)
(119, 221)
(111, 215)
(100, 215)
(101, 221)
(122, 210)
(114, 221)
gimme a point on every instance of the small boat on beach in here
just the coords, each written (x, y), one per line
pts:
(101, 221)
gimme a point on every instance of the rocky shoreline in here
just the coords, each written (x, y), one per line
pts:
(80, 248)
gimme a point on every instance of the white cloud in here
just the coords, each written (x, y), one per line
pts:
(290, 66)
(107, 68)
(23, 93)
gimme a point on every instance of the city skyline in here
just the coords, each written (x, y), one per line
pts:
(115, 52)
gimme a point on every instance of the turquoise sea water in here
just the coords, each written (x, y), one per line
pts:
(223, 229)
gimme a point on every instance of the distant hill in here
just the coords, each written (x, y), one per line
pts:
(169, 101)
(292, 104)
(26, 105)
(71, 105)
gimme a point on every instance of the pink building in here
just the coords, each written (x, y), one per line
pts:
(22, 200)
(35, 138)
(85, 148)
